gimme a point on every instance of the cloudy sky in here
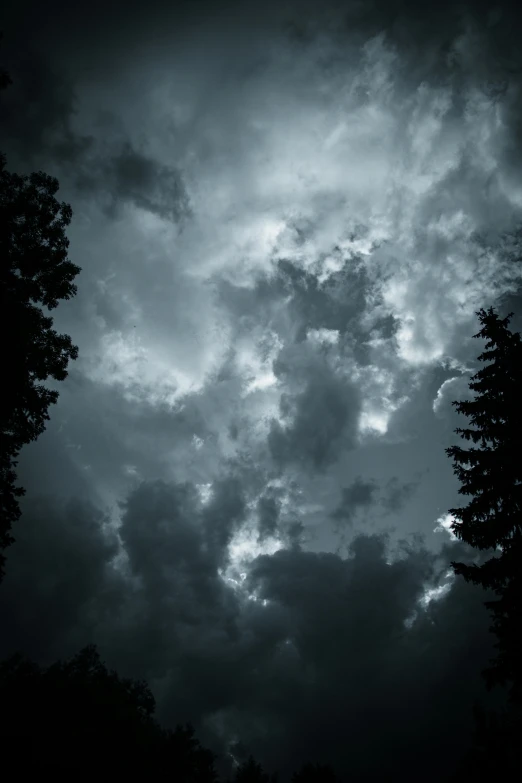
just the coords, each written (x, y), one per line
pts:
(286, 216)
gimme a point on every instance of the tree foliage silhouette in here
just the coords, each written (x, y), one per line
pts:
(35, 274)
(79, 718)
(495, 752)
(490, 472)
(252, 772)
(315, 773)
(186, 759)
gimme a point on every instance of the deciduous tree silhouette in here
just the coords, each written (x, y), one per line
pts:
(490, 472)
(35, 274)
(185, 759)
(77, 718)
(252, 772)
(315, 773)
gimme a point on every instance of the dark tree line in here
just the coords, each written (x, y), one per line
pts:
(490, 474)
(77, 718)
(35, 275)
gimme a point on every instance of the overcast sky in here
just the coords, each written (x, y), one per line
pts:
(286, 216)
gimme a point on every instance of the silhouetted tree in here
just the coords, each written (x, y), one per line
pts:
(495, 753)
(77, 718)
(35, 274)
(490, 472)
(315, 773)
(185, 759)
(252, 772)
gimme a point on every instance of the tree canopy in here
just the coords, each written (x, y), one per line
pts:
(315, 773)
(35, 274)
(490, 472)
(252, 772)
(77, 717)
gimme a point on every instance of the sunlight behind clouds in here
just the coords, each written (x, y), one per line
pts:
(243, 549)
(246, 546)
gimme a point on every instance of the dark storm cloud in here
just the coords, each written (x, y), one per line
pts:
(181, 605)
(37, 120)
(262, 303)
(291, 294)
(323, 422)
(311, 583)
(36, 110)
(268, 509)
(395, 494)
(114, 444)
(49, 465)
(348, 657)
(159, 531)
(183, 624)
(58, 579)
(425, 35)
(326, 666)
(99, 36)
(130, 176)
(224, 513)
(169, 536)
(363, 495)
(168, 592)
(175, 548)
(359, 494)
(335, 304)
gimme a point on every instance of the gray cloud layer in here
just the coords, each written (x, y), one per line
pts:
(286, 216)
(305, 636)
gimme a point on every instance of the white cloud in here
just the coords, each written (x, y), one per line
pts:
(243, 549)
(205, 492)
(442, 393)
(439, 591)
(141, 372)
(323, 336)
(443, 525)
